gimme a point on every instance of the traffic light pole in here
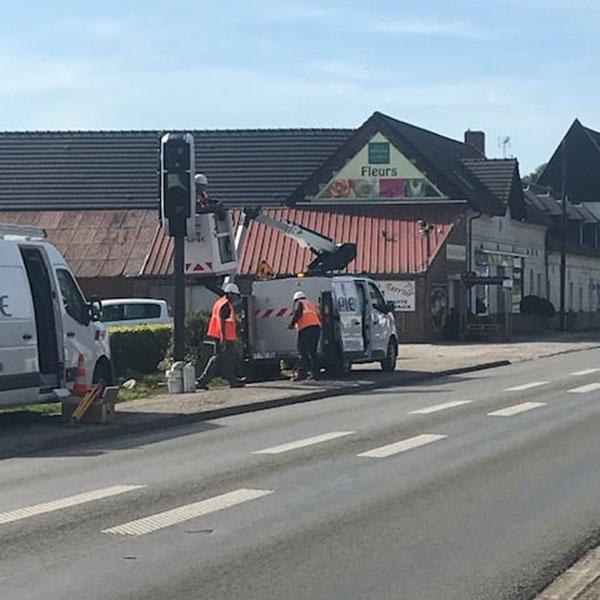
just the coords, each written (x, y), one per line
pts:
(179, 284)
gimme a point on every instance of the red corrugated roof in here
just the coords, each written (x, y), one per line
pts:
(388, 239)
(402, 249)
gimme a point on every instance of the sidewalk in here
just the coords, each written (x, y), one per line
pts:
(26, 432)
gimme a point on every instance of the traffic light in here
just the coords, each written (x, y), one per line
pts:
(177, 191)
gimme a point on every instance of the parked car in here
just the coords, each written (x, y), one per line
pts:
(46, 324)
(135, 311)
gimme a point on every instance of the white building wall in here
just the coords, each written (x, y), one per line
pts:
(582, 289)
(505, 241)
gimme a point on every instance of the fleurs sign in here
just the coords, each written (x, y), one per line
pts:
(379, 172)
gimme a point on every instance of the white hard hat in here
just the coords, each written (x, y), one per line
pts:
(299, 295)
(231, 288)
(200, 179)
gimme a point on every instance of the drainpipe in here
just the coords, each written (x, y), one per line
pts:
(470, 220)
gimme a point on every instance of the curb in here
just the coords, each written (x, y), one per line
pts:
(159, 424)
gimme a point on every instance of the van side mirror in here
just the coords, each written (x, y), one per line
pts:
(389, 308)
(95, 308)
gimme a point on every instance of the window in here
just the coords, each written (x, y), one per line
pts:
(114, 312)
(377, 300)
(141, 311)
(531, 283)
(75, 304)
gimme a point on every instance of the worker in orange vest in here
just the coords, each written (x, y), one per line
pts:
(222, 328)
(307, 321)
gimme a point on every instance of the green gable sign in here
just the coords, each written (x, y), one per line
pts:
(379, 172)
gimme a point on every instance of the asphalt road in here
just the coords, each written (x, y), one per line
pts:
(480, 486)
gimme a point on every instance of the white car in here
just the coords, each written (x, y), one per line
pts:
(135, 311)
(47, 327)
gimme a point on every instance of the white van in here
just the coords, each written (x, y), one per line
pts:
(135, 311)
(358, 324)
(45, 322)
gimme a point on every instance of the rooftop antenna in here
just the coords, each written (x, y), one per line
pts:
(504, 142)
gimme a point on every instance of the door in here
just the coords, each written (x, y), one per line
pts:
(379, 320)
(78, 335)
(351, 321)
(19, 372)
(44, 311)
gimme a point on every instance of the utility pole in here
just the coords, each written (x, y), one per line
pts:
(563, 236)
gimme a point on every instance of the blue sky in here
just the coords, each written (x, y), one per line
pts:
(518, 68)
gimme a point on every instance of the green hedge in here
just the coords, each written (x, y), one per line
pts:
(137, 350)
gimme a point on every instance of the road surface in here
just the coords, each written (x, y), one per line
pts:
(482, 486)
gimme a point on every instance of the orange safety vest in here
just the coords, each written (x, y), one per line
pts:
(309, 316)
(214, 326)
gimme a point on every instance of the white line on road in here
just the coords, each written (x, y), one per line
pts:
(516, 409)
(317, 439)
(585, 372)
(187, 512)
(46, 507)
(403, 446)
(584, 389)
(525, 386)
(437, 407)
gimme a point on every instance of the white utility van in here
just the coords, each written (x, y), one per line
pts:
(358, 324)
(45, 322)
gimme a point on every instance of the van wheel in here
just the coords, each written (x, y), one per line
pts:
(389, 363)
(103, 373)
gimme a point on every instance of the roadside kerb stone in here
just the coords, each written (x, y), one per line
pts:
(579, 582)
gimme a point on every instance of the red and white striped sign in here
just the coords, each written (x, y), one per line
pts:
(198, 267)
(265, 313)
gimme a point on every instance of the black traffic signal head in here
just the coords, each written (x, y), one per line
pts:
(177, 182)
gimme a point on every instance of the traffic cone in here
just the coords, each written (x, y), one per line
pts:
(81, 388)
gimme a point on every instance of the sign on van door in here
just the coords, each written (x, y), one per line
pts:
(349, 309)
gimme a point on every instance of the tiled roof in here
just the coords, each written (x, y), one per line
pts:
(98, 243)
(119, 169)
(581, 149)
(501, 177)
(496, 174)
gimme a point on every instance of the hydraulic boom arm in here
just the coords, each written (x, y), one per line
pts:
(329, 255)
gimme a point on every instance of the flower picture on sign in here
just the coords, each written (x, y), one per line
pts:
(379, 172)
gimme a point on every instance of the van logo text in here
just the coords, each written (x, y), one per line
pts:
(4, 306)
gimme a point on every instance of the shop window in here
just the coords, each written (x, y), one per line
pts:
(539, 284)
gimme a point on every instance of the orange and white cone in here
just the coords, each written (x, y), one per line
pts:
(81, 388)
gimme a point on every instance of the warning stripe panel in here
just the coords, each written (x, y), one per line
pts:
(272, 312)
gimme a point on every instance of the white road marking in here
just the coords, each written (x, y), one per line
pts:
(585, 372)
(317, 439)
(46, 507)
(584, 389)
(187, 512)
(525, 386)
(403, 446)
(437, 407)
(516, 409)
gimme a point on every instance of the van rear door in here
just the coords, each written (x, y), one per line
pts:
(19, 370)
(351, 319)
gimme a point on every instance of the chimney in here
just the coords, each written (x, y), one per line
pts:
(476, 139)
